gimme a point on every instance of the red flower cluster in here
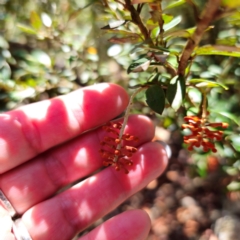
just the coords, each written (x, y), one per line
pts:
(203, 133)
(113, 150)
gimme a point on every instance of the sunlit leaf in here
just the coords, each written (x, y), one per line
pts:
(35, 20)
(175, 4)
(119, 32)
(142, 1)
(42, 57)
(114, 24)
(155, 32)
(228, 115)
(229, 41)
(185, 33)
(46, 19)
(200, 82)
(22, 94)
(26, 29)
(234, 19)
(218, 50)
(152, 25)
(167, 18)
(172, 24)
(3, 43)
(233, 186)
(176, 92)
(236, 144)
(139, 65)
(155, 98)
(230, 4)
(5, 71)
(172, 89)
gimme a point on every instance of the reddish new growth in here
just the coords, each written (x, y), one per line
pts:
(203, 134)
(113, 151)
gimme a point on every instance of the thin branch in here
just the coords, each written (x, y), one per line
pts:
(126, 116)
(136, 19)
(208, 15)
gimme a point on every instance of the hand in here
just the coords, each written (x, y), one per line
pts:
(47, 145)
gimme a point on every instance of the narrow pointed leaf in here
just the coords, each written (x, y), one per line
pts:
(230, 51)
(230, 4)
(139, 65)
(172, 89)
(35, 20)
(114, 24)
(200, 82)
(176, 92)
(175, 4)
(26, 29)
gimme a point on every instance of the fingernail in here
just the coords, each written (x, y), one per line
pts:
(166, 147)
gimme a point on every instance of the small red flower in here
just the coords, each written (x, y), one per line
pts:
(113, 151)
(203, 134)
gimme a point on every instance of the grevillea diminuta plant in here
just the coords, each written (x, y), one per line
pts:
(154, 33)
(115, 151)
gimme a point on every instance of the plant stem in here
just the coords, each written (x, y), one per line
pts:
(126, 116)
(208, 15)
(136, 19)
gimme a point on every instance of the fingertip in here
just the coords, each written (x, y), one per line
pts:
(162, 155)
(141, 126)
(153, 160)
(139, 221)
(144, 220)
(132, 224)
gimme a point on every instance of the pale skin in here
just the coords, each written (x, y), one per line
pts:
(43, 149)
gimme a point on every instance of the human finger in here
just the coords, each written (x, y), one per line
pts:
(34, 128)
(64, 215)
(42, 177)
(133, 224)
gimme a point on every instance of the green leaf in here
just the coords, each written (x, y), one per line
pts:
(185, 33)
(175, 4)
(167, 26)
(218, 50)
(139, 65)
(172, 24)
(167, 18)
(233, 186)
(172, 89)
(35, 20)
(200, 82)
(234, 19)
(235, 142)
(113, 25)
(41, 57)
(155, 98)
(142, 1)
(118, 31)
(26, 29)
(176, 92)
(228, 115)
(230, 4)
(229, 41)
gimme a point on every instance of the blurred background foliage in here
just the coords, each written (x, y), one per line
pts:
(48, 48)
